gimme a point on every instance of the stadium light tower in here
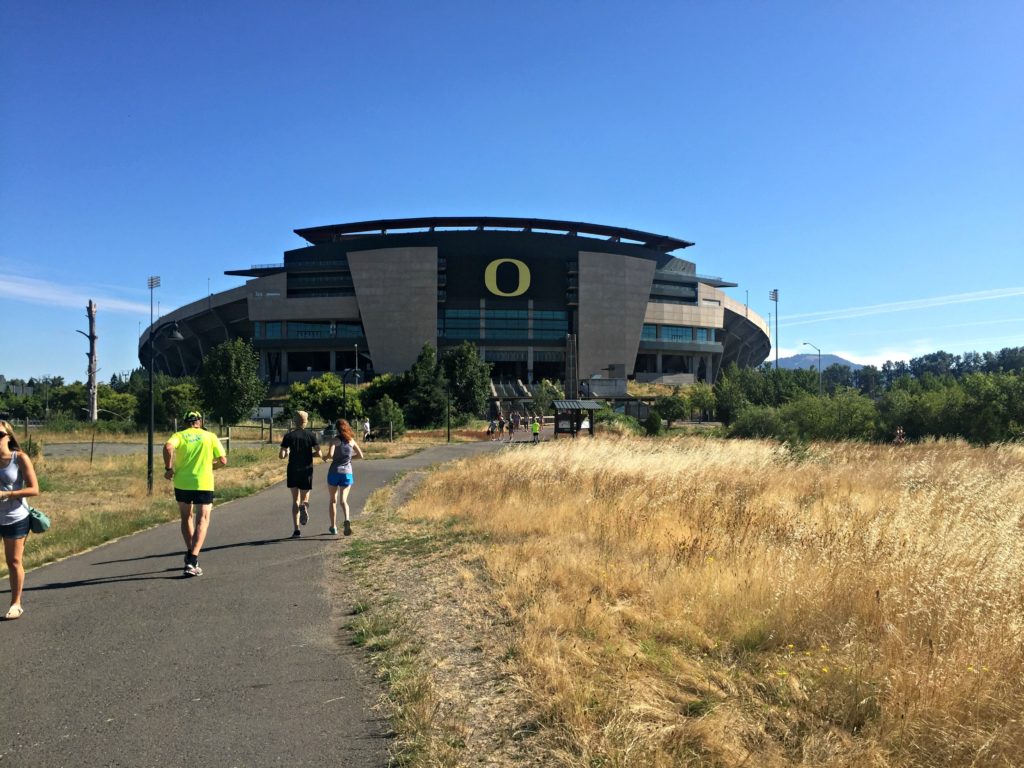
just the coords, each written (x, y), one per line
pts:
(174, 335)
(808, 344)
(773, 295)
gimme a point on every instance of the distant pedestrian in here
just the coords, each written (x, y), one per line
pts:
(300, 446)
(366, 429)
(190, 456)
(339, 477)
(492, 428)
(17, 482)
(535, 429)
(900, 437)
(501, 426)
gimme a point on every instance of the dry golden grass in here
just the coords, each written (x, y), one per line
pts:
(649, 389)
(703, 602)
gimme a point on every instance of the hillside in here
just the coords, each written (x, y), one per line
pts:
(811, 361)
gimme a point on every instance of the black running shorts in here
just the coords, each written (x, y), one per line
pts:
(301, 478)
(193, 497)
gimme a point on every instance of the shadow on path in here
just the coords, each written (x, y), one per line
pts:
(99, 580)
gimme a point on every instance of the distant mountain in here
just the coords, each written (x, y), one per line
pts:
(811, 361)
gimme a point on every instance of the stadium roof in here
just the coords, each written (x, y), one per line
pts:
(335, 232)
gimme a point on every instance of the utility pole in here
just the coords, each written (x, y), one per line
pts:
(90, 312)
(773, 294)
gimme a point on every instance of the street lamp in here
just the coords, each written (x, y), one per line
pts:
(344, 395)
(808, 344)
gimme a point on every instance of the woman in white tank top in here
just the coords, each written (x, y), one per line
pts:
(17, 482)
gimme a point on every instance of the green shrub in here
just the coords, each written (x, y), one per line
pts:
(652, 424)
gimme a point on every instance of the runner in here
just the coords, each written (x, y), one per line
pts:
(339, 476)
(535, 428)
(300, 446)
(17, 481)
(190, 456)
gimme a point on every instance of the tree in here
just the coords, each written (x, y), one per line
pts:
(702, 397)
(868, 380)
(425, 382)
(937, 363)
(836, 376)
(468, 377)
(110, 401)
(385, 416)
(327, 397)
(729, 394)
(138, 385)
(543, 395)
(180, 397)
(652, 424)
(230, 381)
(671, 407)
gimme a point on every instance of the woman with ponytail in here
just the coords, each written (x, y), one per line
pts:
(339, 476)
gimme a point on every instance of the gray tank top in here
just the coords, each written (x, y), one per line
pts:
(14, 510)
(341, 464)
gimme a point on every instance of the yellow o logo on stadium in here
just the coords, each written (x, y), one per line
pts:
(491, 278)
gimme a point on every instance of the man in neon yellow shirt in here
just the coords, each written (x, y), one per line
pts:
(190, 456)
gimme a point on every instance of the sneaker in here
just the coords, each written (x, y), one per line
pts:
(303, 514)
(296, 533)
(193, 570)
(333, 531)
(348, 528)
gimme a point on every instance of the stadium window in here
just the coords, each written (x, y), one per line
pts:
(300, 330)
(505, 323)
(268, 330)
(348, 330)
(649, 332)
(676, 333)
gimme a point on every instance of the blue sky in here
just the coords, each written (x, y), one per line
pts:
(866, 159)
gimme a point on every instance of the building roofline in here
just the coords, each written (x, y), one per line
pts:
(336, 232)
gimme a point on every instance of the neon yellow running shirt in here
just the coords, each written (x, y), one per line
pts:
(195, 450)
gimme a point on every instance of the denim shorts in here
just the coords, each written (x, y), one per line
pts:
(341, 479)
(18, 530)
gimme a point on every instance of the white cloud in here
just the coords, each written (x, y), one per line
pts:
(849, 313)
(34, 291)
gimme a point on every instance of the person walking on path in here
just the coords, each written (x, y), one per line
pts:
(366, 429)
(339, 475)
(17, 482)
(535, 428)
(190, 456)
(300, 446)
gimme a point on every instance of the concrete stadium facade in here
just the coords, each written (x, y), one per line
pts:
(369, 295)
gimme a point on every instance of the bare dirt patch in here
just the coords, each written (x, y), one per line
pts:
(415, 580)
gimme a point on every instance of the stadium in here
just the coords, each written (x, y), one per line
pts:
(540, 298)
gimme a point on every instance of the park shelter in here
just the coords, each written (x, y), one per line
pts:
(569, 416)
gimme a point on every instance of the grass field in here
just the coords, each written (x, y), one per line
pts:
(694, 601)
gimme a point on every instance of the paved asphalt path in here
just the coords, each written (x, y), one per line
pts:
(119, 660)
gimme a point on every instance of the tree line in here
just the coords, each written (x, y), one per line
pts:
(455, 382)
(978, 397)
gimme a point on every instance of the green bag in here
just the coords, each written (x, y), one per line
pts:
(38, 522)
